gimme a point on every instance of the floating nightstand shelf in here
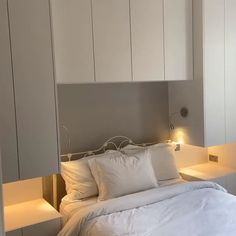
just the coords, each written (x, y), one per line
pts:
(222, 175)
(35, 217)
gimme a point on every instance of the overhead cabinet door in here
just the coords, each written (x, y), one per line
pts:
(111, 25)
(8, 140)
(147, 40)
(34, 87)
(72, 29)
(178, 39)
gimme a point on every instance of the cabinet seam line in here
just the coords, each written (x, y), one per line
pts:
(54, 82)
(225, 110)
(193, 41)
(93, 41)
(131, 45)
(14, 90)
(164, 49)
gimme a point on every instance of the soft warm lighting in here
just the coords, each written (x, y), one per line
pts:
(180, 137)
(45, 207)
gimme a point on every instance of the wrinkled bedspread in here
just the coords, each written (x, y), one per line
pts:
(189, 209)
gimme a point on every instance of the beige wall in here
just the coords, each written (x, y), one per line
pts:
(190, 155)
(22, 191)
(95, 112)
(226, 154)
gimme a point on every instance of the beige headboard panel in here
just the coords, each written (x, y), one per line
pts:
(93, 113)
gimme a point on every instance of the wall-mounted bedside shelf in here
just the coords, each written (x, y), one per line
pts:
(35, 217)
(222, 175)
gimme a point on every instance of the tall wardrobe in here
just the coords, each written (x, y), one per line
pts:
(28, 118)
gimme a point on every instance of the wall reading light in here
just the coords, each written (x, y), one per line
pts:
(182, 113)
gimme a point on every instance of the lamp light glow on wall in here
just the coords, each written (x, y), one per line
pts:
(179, 132)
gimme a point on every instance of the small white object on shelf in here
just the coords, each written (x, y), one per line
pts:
(222, 175)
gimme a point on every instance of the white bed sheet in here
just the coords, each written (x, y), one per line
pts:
(189, 209)
(69, 207)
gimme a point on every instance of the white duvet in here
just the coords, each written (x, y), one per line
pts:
(189, 209)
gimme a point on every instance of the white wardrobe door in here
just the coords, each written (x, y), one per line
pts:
(178, 39)
(72, 29)
(8, 140)
(214, 71)
(111, 24)
(34, 87)
(147, 39)
(230, 70)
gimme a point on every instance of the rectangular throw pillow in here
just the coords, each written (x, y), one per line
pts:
(121, 174)
(78, 178)
(163, 159)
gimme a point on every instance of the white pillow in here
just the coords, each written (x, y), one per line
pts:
(163, 159)
(120, 174)
(78, 178)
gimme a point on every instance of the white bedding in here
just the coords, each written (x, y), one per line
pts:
(70, 206)
(191, 209)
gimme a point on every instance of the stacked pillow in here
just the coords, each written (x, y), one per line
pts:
(120, 174)
(115, 174)
(78, 178)
(162, 157)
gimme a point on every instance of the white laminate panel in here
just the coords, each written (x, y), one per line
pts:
(111, 24)
(13, 194)
(214, 71)
(230, 70)
(178, 39)
(38, 211)
(49, 228)
(14, 233)
(72, 30)
(8, 140)
(147, 40)
(34, 87)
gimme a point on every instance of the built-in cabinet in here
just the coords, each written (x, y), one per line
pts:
(147, 32)
(230, 70)
(49, 228)
(73, 40)
(8, 138)
(41, 219)
(210, 97)
(28, 126)
(112, 49)
(213, 172)
(122, 41)
(178, 39)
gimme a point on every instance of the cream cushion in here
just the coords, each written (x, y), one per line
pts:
(162, 157)
(78, 177)
(123, 174)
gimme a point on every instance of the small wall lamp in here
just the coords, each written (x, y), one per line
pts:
(183, 113)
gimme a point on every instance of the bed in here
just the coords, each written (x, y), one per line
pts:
(158, 203)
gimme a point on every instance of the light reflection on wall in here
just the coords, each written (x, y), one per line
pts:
(180, 135)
